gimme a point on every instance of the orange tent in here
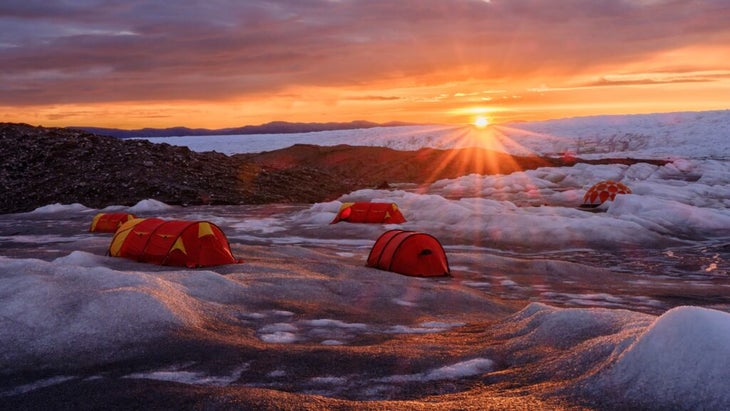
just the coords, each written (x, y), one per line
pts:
(409, 253)
(177, 243)
(602, 192)
(385, 213)
(109, 222)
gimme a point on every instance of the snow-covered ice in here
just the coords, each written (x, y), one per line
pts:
(624, 308)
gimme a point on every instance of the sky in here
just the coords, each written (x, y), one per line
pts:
(227, 63)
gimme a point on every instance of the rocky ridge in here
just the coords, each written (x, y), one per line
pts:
(54, 165)
(44, 166)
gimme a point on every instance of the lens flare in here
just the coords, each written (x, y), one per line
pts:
(481, 121)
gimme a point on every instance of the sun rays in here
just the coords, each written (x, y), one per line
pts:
(480, 151)
(494, 159)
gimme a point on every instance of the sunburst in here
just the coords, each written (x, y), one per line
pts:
(481, 121)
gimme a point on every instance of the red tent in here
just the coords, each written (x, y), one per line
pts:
(602, 192)
(409, 253)
(109, 222)
(385, 213)
(176, 243)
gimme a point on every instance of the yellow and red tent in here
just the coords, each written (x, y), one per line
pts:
(109, 222)
(603, 191)
(172, 242)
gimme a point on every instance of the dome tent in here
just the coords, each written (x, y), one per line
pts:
(174, 242)
(365, 212)
(109, 222)
(409, 253)
(603, 191)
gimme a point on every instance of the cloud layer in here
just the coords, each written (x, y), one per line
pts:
(400, 54)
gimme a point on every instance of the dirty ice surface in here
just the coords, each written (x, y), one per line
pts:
(625, 307)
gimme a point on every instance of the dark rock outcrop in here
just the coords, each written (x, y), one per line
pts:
(43, 166)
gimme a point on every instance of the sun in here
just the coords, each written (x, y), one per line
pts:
(481, 121)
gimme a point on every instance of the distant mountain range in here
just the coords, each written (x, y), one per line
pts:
(274, 127)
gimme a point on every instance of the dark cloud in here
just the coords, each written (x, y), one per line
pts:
(100, 51)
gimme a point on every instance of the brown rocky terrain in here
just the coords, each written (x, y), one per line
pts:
(53, 165)
(43, 166)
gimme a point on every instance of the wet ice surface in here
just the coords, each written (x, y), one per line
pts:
(303, 314)
(617, 278)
